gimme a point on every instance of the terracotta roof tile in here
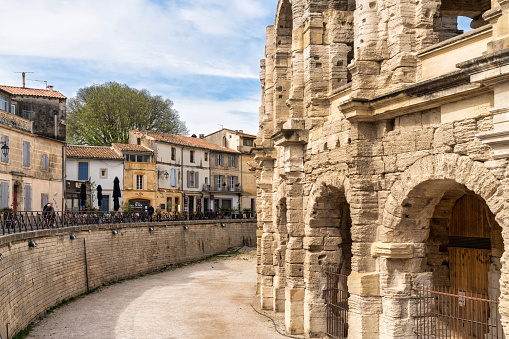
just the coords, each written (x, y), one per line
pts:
(93, 152)
(32, 92)
(185, 141)
(242, 134)
(131, 148)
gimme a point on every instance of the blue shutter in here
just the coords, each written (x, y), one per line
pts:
(83, 171)
(26, 154)
(28, 198)
(173, 177)
(44, 200)
(4, 197)
(5, 141)
(45, 162)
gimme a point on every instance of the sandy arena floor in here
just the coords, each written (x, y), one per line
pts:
(211, 299)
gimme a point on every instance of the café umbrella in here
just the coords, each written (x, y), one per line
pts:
(83, 195)
(99, 195)
(116, 194)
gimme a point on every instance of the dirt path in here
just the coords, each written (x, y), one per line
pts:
(206, 300)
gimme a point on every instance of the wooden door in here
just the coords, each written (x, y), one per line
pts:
(469, 261)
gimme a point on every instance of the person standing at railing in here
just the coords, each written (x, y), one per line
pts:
(158, 213)
(48, 213)
(150, 211)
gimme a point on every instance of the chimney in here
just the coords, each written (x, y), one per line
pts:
(49, 87)
(202, 136)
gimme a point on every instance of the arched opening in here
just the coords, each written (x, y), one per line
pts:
(328, 264)
(456, 288)
(282, 63)
(446, 20)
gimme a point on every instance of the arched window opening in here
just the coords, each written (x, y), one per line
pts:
(452, 17)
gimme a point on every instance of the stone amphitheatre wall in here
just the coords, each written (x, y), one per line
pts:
(34, 279)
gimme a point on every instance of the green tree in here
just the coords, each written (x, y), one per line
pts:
(104, 114)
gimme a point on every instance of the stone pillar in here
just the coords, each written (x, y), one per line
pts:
(292, 142)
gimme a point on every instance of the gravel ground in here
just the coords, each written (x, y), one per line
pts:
(211, 299)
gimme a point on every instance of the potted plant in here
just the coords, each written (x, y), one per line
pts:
(247, 212)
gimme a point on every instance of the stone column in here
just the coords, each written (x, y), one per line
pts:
(292, 141)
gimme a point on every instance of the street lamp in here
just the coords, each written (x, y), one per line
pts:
(5, 149)
(165, 173)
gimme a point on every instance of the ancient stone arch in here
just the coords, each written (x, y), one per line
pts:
(417, 210)
(327, 242)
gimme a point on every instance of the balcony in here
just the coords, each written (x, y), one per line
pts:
(225, 189)
(443, 57)
(14, 121)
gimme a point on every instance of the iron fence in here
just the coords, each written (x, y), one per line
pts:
(443, 312)
(336, 302)
(14, 222)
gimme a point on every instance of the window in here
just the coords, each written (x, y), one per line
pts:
(3, 103)
(103, 173)
(247, 142)
(13, 109)
(192, 179)
(138, 141)
(173, 177)
(206, 180)
(139, 182)
(28, 198)
(45, 162)
(168, 204)
(191, 156)
(219, 182)
(233, 161)
(219, 160)
(4, 195)
(26, 153)
(173, 153)
(177, 205)
(83, 171)
(232, 183)
(206, 156)
(137, 158)
(5, 141)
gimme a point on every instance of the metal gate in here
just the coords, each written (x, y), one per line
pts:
(336, 301)
(443, 312)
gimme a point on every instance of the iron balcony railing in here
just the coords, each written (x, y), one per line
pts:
(15, 222)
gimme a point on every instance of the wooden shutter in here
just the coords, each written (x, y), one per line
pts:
(28, 198)
(196, 182)
(173, 177)
(44, 161)
(188, 179)
(5, 141)
(44, 200)
(4, 197)
(235, 182)
(26, 154)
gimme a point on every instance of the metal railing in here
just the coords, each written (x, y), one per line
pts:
(15, 222)
(336, 302)
(443, 312)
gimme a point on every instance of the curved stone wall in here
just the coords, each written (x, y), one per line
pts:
(33, 279)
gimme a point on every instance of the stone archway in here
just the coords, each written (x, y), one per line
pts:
(415, 218)
(327, 242)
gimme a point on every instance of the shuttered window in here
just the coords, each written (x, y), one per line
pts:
(44, 199)
(4, 195)
(219, 160)
(233, 161)
(45, 162)
(28, 198)
(173, 177)
(5, 141)
(83, 171)
(26, 153)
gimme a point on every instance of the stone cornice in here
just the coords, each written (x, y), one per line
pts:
(287, 137)
(392, 250)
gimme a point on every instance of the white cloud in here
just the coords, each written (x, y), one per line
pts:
(198, 37)
(207, 116)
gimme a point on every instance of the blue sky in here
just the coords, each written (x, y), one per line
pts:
(202, 54)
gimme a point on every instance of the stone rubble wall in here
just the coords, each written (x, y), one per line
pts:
(35, 279)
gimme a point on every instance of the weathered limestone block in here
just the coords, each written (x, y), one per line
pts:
(364, 284)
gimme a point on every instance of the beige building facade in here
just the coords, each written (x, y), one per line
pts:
(32, 173)
(383, 152)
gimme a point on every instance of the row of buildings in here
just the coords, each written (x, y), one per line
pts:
(171, 172)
